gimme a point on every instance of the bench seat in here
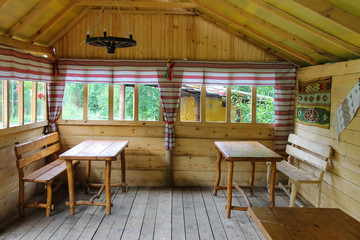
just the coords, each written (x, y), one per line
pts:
(47, 173)
(295, 173)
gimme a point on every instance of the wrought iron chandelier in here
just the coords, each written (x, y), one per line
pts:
(110, 42)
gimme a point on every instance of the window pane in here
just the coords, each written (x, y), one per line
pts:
(241, 104)
(190, 104)
(148, 103)
(265, 105)
(73, 102)
(27, 101)
(1, 104)
(40, 101)
(123, 103)
(13, 102)
(215, 103)
(98, 103)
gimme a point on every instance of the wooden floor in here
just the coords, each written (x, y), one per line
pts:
(147, 213)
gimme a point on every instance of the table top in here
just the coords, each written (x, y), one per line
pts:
(246, 151)
(95, 150)
(282, 223)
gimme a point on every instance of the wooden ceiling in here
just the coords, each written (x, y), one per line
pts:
(307, 32)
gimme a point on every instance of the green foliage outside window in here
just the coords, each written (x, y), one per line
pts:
(13, 103)
(265, 105)
(148, 103)
(129, 102)
(73, 101)
(98, 102)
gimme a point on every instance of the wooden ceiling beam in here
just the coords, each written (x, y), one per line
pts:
(238, 34)
(27, 18)
(139, 4)
(53, 21)
(333, 13)
(11, 42)
(309, 28)
(290, 37)
(149, 12)
(69, 27)
(250, 31)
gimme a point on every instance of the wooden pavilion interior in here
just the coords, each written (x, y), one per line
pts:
(320, 39)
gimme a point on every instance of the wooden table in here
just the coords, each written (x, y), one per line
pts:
(95, 150)
(283, 223)
(244, 151)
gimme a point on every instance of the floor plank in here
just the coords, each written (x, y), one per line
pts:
(148, 213)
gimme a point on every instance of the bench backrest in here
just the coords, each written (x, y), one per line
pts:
(43, 146)
(314, 153)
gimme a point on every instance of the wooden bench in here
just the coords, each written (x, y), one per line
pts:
(33, 151)
(304, 150)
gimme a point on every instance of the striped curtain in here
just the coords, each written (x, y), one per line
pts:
(21, 66)
(170, 92)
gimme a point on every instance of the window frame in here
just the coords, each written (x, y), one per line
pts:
(6, 108)
(136, 121)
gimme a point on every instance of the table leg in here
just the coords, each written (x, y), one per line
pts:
(70, 174)
(122, 155)
(229, 188)
(108, 186)
(218, 172)
(87, 179)
(272, 184)
(251, 180)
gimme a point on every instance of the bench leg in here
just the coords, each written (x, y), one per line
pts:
(49, 199)
(294, 187)
(21, 198)
(318, 197)
(268, 170)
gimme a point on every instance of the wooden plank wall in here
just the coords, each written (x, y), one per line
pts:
(9, 179)
(194, 157)
(163, 37)
(341, 188)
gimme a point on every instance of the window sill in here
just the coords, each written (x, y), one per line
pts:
(15, 129)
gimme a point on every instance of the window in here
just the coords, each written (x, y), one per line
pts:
(241, 104)
(265, 105)
(190, 104)
(22, 102)
(73, 101)
(149, 103)
(123, 102)
(98, 102)
(215, 104)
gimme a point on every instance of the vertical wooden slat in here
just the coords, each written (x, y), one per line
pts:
(228, 104)
(253, 104)
(111, 102)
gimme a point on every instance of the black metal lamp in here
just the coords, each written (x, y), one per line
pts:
(111, 43)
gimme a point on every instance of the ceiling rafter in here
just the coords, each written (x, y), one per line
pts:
(69, 26)
(8, 41)
(259, 35)
(54, 20)
(139, 4)
(309, 28)
(333, 13)
(27, 18)
(281, 32)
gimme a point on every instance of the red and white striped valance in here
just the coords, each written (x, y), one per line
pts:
(18, 65)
